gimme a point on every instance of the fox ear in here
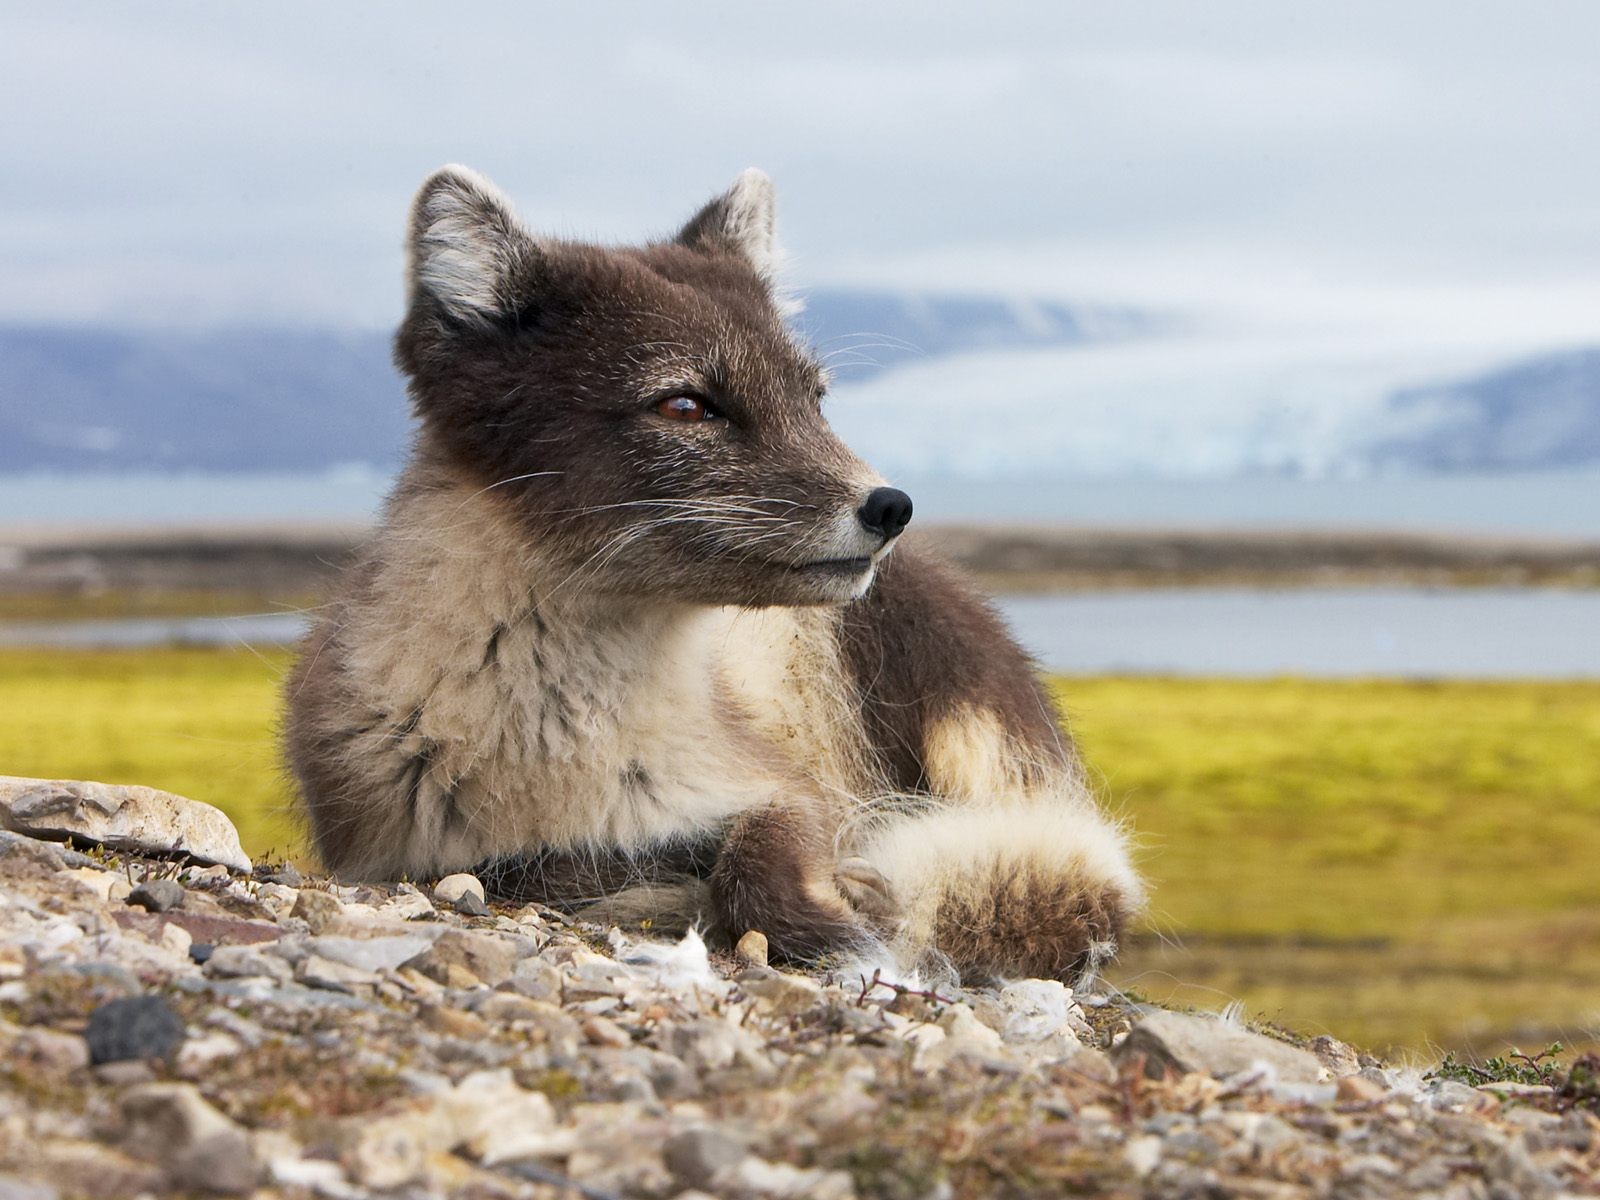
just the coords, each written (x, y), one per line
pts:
(467, 249)
(742, 220)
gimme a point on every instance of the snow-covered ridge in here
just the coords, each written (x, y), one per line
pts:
(923, 383)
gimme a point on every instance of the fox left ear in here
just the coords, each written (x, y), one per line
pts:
(467, 249)
(742, 220)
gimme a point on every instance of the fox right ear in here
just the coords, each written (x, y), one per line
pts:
(467, 250)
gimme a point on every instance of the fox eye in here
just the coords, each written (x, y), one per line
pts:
(687, 408)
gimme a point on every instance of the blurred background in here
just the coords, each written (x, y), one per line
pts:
(1250, 353)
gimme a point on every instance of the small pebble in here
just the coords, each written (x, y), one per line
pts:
(603, 1032)
(451, 888)
(157, 895)
(470, 904)
(200, 952)
(752, 948)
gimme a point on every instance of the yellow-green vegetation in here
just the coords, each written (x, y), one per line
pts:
(198, 722)
(1404, 864)
(1395, 862)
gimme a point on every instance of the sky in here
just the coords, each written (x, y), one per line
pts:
(1425, 167)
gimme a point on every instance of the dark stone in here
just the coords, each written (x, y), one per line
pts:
(283, 873)
(200, 951)
(157, 895)
(469, 905)
(138, 1027)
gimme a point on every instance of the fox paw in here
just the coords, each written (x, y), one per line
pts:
(868, 890)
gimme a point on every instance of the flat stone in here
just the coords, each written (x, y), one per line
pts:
(371, 954)
(1353, 1089)
(51, 1049)
(537, 979)
(406, 906)
(201, 927)
(200, 1148)
(157, 895)
(247, 962)
(1170, 1041)
(599, 1031)
(696, 1157)
(778, 993)
(318, 972)
(12, 1188)
(461, 958)
(120, 817)
(137, 1027)
(1339, 1058)
(317, 909)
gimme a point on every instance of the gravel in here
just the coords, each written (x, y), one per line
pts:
(346, 1042)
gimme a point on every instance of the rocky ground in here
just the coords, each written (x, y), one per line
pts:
(175, 1020)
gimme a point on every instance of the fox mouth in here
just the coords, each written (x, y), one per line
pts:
(837, 566)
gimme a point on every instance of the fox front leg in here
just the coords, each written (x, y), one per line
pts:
(778, 872)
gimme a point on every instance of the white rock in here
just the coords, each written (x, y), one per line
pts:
(373, 954)
(176, 938)
(120, 817)
(247, 962)
(318, 972)
(407, 906)
(762, 1178)
(1142, 1154)
(452, 887)
(197, 1054)
(93, 880)
(486, 1101)
(1031, 1010)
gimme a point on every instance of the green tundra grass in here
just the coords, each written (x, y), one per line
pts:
(1413, 866)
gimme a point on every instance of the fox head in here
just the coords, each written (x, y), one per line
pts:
(645, 410)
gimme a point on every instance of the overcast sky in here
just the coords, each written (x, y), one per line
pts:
(1427, 163)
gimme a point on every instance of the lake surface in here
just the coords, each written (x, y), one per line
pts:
(1330, 633)
(1335, 632)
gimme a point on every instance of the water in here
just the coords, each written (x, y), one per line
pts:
(1549, 504)
(1333, 633)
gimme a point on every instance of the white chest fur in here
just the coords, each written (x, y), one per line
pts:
(516, 716)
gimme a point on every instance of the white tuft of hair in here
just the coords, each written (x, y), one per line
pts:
(466, 244)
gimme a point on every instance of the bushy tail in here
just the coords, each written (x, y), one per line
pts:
(1042, 889)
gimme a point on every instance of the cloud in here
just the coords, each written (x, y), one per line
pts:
(190, 161)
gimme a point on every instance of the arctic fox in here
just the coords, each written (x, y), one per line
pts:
(630, 637)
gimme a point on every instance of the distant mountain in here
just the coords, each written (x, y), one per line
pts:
(75, 398)
(931, 383)
(861, 333)
(1539, 413)
(79, 399)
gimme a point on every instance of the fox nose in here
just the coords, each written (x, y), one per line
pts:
(886, 512)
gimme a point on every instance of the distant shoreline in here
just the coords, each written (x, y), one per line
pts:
(60, 572)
